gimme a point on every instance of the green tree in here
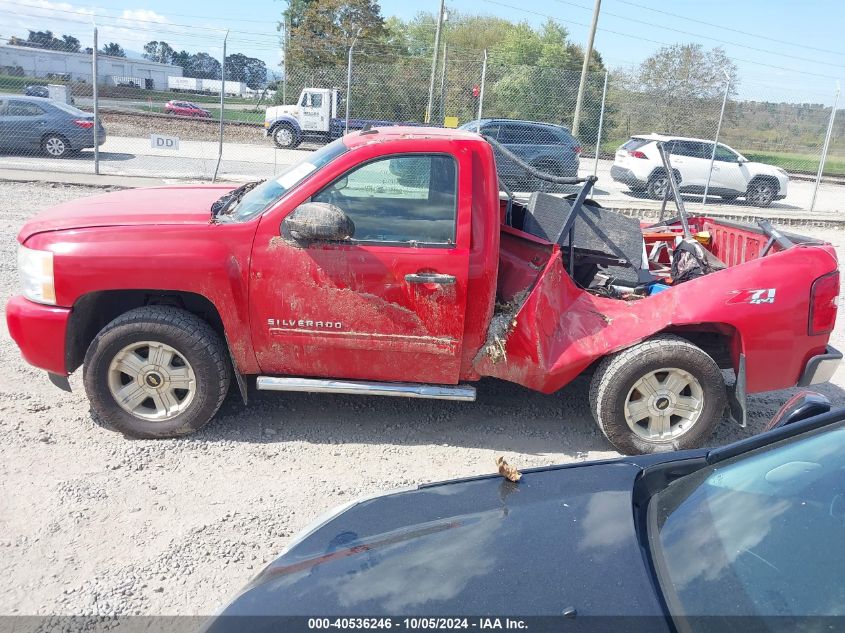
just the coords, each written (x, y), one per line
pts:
(113, 49)
(677, 90)
(160, 52)
(46, 40)
(249, 70)
(321, 31)
(202, 66)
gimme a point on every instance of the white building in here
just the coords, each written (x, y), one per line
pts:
(37, 62)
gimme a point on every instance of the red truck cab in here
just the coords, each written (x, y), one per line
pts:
(385, 263)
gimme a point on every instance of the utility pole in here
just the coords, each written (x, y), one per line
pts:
(434, 61)
(576, 120)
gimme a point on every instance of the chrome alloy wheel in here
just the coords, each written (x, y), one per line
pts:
(151, 380)
(664, 404)
(284, 136)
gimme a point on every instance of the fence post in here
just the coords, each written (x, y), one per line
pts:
(430, 106)
(349, 81)
(601, 124)
(443, 87)
(96, 105)
(222, 103)
(481, 92)
(825, 148)
(716, 140)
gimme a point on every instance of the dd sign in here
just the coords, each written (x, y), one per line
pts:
(159, 141)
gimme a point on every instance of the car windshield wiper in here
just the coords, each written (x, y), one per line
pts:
(227, 201)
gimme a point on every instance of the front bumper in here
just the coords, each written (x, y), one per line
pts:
(40, 332)
(821, 368)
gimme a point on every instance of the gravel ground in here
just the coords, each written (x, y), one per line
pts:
(93, 523)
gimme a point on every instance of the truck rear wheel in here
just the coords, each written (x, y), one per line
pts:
(663, 394)
(284, 137)
(156, 372)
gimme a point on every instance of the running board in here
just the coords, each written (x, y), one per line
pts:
(405, 389)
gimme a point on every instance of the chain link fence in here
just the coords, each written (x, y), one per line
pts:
(156, 122)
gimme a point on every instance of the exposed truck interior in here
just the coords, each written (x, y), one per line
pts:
(616, 256)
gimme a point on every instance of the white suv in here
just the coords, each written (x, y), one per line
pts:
(638, 165)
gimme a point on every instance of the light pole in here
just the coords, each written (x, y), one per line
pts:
(576, 120)
(434, 61)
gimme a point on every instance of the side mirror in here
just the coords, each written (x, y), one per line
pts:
(801, 406)
(318, 221)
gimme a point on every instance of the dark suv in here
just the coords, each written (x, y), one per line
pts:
(550, 148)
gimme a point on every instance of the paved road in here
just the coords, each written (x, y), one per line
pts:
(127, 156)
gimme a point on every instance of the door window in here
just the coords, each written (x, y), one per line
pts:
(406, 200)
(316, 100)
(511, 134)
(726, 155)
(692, 149)
(23, 108)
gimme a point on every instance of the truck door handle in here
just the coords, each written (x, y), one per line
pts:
(429, 278)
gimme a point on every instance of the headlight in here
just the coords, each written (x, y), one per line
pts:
(36, 273)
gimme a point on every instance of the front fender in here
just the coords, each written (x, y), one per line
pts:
(209, 260)
(286, 120)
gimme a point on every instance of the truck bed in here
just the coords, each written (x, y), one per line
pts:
(547, 329)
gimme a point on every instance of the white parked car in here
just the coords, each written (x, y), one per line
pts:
(638, 165)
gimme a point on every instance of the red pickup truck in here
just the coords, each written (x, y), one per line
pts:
(386, 263)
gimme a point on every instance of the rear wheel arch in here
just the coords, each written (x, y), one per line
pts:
(660, 171)
(720, 341)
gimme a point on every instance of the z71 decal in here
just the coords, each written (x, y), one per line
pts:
(754, 297)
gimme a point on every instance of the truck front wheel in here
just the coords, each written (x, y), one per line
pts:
(663, 394)
(156, 372)
(284, 137)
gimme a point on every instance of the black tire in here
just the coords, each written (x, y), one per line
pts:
(657, 185)
(193, 339)
(55, 146)
(761, 193)
(281, 138)
(616, 375)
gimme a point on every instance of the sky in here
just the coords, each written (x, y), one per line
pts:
(784, 50)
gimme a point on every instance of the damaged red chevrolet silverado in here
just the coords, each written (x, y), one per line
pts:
(386, 263)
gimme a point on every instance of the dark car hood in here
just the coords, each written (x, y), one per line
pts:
(186, 204)
(559, 538)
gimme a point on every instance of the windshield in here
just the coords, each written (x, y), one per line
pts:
(267, 193)
(762, 534)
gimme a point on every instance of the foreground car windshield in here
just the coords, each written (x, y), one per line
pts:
(270, 191)
(762, 534)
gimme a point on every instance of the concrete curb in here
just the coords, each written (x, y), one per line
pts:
(782, 219)
(85, 180)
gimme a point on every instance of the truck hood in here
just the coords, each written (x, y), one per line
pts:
(275, 112)
(190, 204)
(561, 537)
